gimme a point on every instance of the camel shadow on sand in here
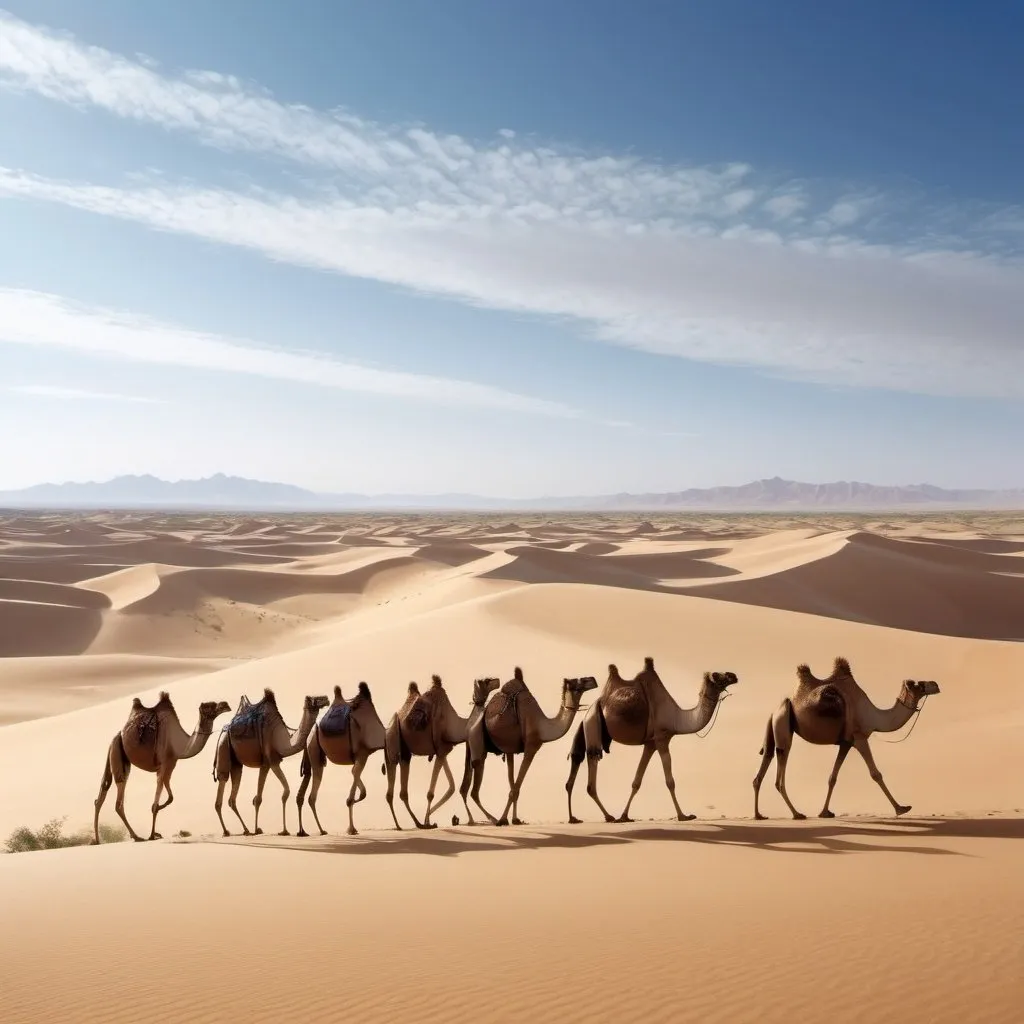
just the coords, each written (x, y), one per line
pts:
(838, 836)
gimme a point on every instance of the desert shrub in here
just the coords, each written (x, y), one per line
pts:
(51, 836)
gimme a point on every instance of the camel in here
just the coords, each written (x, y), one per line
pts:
(348, 733)
(513, 723)
(152, 740)
(640, 712)
(834, 711)
(428, 726)
(258, 738)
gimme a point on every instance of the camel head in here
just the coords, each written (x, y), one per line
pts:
(483, 688)
(212, 709)
(715, 683)
(575, 688)
(915, 689)
(312, 705)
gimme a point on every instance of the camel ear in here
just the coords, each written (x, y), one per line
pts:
(649, 663)
(364, 691)
(517, 672)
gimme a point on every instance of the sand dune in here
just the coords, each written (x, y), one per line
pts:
(711, 919)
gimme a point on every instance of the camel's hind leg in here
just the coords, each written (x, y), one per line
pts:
(593, 737)
(163, 781)
(311, 781)
(510, 764)
(285, 793)
(844, 749)
(236, 782)
(403, 792)
(670, 782)
(783, 733)
(357, 786)
(120, 768)
(115, 754)
(257, 800)
(517, 786)
(432, 808)
(860, 741)
(645, 760)
(767, 756)
(468, 772)
(577, 752)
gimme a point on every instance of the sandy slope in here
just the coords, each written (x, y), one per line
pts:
(713, 920)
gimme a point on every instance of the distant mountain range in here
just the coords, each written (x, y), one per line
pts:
(240, 494)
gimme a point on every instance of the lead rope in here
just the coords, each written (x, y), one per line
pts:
(913, 725)
(714, 714)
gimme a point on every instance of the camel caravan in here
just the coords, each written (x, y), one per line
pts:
(505, 719)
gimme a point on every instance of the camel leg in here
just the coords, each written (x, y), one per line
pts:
(403, 792)
(645, 760)
(468, 773)
(431, 789)
(860, 741)
(105, 783)
(670, 782)
(767, 755)
(442, 761)
(592, 761)
(285, 793)
(574, 767)
(478, 778)
(120, 768)
(517, 787)
(780, 782)
(389, 796)
(311, 781)
(844, 749)
(163, 781)
(357, 784)
(257, 800)
(236, 782)
(510, 764)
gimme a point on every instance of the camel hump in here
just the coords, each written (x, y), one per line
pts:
(364, 691)
(418, 718)
(517, 673)
(649, 663)
(628, 704)
(828, 701)
(613, 671)
(841, 667)
(435, 680)
(414, 690)
(137, 704)
(337, 693)
(805, 675)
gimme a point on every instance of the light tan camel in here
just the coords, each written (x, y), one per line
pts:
(348, 733)
(152, 740)
(428, 726)
(834, 711)
(258, 738)
(640, 712)
(513, 723)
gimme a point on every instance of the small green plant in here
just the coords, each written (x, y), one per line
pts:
(51, 836)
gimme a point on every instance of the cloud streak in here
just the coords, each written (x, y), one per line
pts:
(835, 285)
(39, 319)
(75, 394)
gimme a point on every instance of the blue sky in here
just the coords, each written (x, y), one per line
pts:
(513, 249)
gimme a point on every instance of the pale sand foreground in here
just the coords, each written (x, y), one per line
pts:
(718, 919)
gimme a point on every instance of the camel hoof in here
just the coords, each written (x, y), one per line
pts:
(573, 820)
(323, 831)
(258, 832)
(351, 830)
(246, 832)
(902, 809)
(138, 839)
(284, 832)
(455, 819)
(760, 817)
(827, 814)
(797, 816)
(155, 835)
(609, 819)
(622, 819)
(94, 842)
(302, 833)
(501, 822)
(687, 817)
(226, 834)
(518, 821)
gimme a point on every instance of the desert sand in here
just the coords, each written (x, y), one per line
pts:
(865, 917)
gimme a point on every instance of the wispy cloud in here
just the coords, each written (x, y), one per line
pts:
(720, 264)
(35, 318)
(76, 394)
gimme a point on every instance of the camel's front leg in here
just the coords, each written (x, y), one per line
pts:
(442, 761)
(844, 749)
(645, 760)
(860, 741)
(357, 784)
(767, 754)
(517, 787)
(258, 798)
(670, 782)
(783, 737)
(285, 793)
(163, 781)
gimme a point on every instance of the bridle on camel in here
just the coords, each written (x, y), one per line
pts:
(714, 714)
(915, 713)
